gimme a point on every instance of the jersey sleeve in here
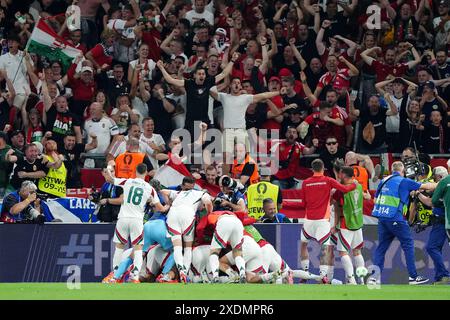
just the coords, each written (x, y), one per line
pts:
(206, 197)
(154, 195)
(119, 181)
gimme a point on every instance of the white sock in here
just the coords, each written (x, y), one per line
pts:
(301, 274)
(214, 263)
(348, 266)
(137, 260)
(267, 277)
(117, 258)
(230, 272)
(305, 264)
(330, 272)
(178, 257)
(240, 264)
(359, 261)
(187, 258)
(323, 270)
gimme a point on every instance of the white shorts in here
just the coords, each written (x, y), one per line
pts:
(129, 228)
(231, 137)
(229, 230)
(252, 254)
(200, 259)
(350, 239)
(181, 223)
(156, 258)
(319, 230)
(272, 261)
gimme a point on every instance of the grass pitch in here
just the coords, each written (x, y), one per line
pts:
(98, 291)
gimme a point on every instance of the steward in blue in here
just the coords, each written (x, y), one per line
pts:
(391, 203)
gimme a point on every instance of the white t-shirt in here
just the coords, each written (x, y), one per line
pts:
(393, 121)
(149, 65)
(189, 200)
(120, 147)
(141, 108)
(234, 108)
(122, 124)
(105, 128)
(136, 193)
(156, 139)
(193, 16)
(13, 64)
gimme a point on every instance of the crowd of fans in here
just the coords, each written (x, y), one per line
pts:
(312, 71)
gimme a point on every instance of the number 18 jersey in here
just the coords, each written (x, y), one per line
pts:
(136, 193)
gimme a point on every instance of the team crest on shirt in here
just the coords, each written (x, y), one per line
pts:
(200, 91)
(435, 107)
(34, 167)
(103, 125)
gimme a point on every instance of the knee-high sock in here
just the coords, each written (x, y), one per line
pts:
(123, 266)
(117, 258)
(305, 275)
(359, 261)
(240, 264)
(187, 258)
(178, 257)
(348, 266)
(137, 260)
(214, 263)
(330, 272)
(305, 264)
(323, 271)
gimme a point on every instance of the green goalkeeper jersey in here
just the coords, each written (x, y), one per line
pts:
(254, 232)
(352, 209)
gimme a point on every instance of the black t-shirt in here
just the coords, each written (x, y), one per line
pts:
(433, 136)
(256, 119)
(329, 158)
(300, 102)
(61, 123)
(163, 119)
(286, 123)
(71, 161)
(379, 122)
(308, 48)
(313, 78)
(23, 165)
(4, 113)
(429, 107)
(197, 102)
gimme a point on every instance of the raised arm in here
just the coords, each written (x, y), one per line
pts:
(379, 86)
(265, 55)
(308, 93)
(353, 70)
(351, 45)
(320, 44)
(417, 58)
(367, 59)
(392, 108)
(273, 43)
(225, 72)
(309, 8)
(316, 9)
(165, 45)
(168, 77)
(30, 69)
(267, 95)
(278, 14)
(297, 54)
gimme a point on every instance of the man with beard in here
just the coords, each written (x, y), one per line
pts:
(289, 152)
(383, 69)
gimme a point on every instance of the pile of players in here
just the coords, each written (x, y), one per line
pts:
(186, 246)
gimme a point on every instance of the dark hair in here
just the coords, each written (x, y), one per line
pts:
(187, 180)
(210, 167)
(324, 105)
(348, 171)
(185, 23)
(317, 165)
(338, 164)
(141, 168)
(267, 201)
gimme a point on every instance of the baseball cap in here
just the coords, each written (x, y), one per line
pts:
(86, 68)
(221, 31)
(285, 72)
(274, 78)
(444, 3)
(429, 84)
(16, 132)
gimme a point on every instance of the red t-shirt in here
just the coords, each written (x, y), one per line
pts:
(271, 123)
(382, 70)
(342, 75)
(98, 53)
(321, 129)
(316, 194)
(152, 38)
(283, 150)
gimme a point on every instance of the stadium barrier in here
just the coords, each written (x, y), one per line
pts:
(53, 252)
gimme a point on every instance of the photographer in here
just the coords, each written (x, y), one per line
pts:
(271, 214)
(230, 198)
(22, 206)
(437, 236)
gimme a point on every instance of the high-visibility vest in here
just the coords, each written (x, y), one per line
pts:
(126, 164)
(236, 170)
(256, 193)
(361, 175)
(388, 203)
(54, 182)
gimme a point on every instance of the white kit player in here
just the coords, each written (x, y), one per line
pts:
(181, 222)
(130, 224)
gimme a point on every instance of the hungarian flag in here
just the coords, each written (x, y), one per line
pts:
(44, 41)
(172, 172)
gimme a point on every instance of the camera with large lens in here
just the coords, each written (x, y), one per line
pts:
(413, 167)
(218, 200)
(229, 182)
(95, 196)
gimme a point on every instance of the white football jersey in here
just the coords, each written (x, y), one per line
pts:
(189, 199)
(136, 193)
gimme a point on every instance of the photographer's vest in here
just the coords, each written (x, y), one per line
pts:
(362, 176)
(387, 203)
(126, 164)
(236, 170)
(256, 193)
(54, 182)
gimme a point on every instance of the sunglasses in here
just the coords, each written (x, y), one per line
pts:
(331, 143)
